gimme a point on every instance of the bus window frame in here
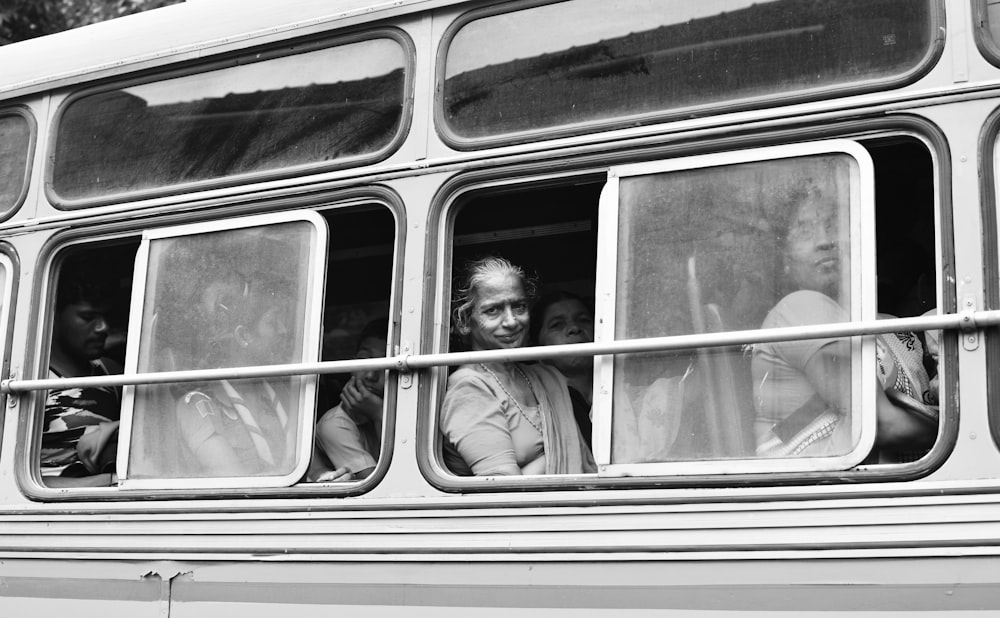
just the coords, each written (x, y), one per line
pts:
(452, 139)
(454, 193)
(283, 49)
(10, 266)
(990, 215)
(29, 118)
(863, 301)
(30, 395)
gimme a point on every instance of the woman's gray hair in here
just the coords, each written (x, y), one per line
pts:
(465, 290)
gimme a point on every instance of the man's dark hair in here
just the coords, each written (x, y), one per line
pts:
(82, 280)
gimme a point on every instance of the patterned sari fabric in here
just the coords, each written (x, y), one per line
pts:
(902, 374)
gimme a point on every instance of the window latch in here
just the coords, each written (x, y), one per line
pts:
(970, 331)
(405, 373)
(11, 395)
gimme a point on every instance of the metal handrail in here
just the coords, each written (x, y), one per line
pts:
(965, 321)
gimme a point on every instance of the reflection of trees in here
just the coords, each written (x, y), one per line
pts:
(730, 222)
(700, 251)
(767, 47)
(264, 130)
(114, 142)
(205, 284)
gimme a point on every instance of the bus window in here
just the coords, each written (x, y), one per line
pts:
(318, 106)
(228, 294)
(7, 279)
(89, 322)
(907, 271)
(779, 238)
(719, 246)
(354, 428)
(15, 151)
(492, 415)
(507, 75)
(225, 295)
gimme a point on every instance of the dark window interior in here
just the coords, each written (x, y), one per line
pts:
(551, 232)
(904, 226)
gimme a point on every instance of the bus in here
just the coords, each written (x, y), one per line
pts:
(731, 187)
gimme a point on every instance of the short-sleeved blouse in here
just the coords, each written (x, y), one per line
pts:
(486, 434)
(781, 386)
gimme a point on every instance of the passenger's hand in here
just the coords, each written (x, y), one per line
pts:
(340, 474)
(356, 399)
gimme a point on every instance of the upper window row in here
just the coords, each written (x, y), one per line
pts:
(512, 72)
(516, 73)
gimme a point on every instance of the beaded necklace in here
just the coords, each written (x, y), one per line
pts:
(531, 387)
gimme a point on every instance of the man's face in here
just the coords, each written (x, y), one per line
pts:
(81, 329)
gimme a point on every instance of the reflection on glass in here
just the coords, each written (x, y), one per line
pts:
(593, 60)
(223, 299)
(756, 245)
(15, 136)
(308, 108)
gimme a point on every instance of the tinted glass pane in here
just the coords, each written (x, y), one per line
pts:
(757, 245)
(993, 19)
(15, 139)
(223, 299)
(313, 107)
(990, 27)
(593, 60)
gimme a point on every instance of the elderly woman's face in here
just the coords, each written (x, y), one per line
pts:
(499, 317)
(816, 247)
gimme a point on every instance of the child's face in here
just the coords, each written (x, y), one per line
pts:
(373, 380)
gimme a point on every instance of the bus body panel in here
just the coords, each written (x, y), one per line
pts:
(416, 539)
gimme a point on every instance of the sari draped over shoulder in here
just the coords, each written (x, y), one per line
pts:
(565, 450)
